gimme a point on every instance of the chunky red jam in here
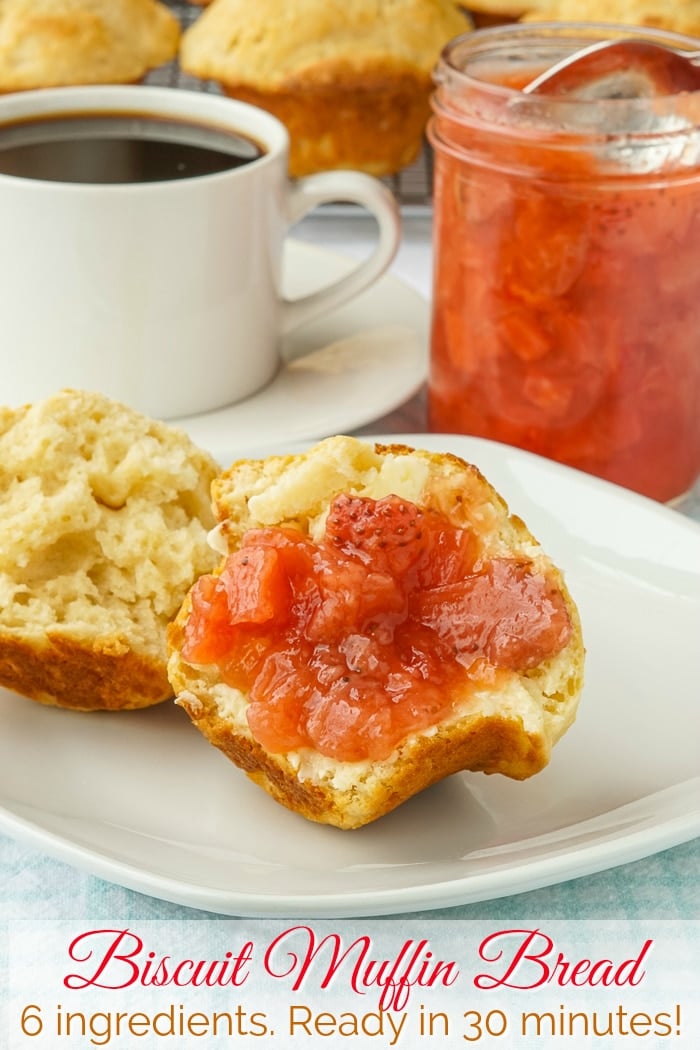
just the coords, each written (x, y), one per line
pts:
(350, 644)
(566, 306)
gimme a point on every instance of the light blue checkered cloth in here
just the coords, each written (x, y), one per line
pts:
(663, 886)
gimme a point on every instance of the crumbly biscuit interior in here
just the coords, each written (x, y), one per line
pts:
(104, 520)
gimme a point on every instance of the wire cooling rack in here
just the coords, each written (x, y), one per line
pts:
(412, 186)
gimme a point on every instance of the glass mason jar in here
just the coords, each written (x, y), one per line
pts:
(566, 300)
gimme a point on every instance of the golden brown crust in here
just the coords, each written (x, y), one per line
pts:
(505, 9)
(480, 744)
(351, 82)
(274, 44)
(319, 141)
(507, 728)
(50, 43)
(60, 672)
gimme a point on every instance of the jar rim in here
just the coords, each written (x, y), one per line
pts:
(481, 42)
(516, 53)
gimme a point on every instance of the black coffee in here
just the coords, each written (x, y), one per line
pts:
(119, 148)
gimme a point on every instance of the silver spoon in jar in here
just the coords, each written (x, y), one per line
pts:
(619, 69)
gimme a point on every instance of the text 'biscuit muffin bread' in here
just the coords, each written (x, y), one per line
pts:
(351, 81)
(103, 527)
(55, 43)
(379, 622)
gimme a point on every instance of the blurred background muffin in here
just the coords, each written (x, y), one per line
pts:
(351, 81)
(681, 16)
(50, 43)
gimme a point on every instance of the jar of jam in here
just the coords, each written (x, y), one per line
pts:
(566, 303)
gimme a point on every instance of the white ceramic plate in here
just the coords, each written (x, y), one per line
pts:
(141, 799)
(365, 359)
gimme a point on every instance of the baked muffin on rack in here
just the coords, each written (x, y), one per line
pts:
(682, 16)
(351, 81)
(54, 43)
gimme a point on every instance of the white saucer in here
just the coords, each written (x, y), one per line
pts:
(366, 359)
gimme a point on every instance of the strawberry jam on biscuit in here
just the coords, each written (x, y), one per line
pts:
(351, 644)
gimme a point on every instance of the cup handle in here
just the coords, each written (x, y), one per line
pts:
(307, 193)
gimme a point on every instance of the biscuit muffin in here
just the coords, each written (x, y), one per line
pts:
(103, 528)
(681, 16)
(54, 43)
(379, 622)
(350, 81)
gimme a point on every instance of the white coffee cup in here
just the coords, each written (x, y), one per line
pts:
(165, 295)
